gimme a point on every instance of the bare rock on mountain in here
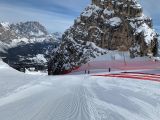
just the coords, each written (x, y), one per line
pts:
(29, 29)
(72, 54)
(12, 35)
(109, 24)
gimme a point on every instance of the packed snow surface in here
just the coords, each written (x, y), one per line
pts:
(76, 97)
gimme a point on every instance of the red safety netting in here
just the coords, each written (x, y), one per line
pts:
(119, 65)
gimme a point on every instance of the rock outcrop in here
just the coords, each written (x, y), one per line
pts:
(109, 24)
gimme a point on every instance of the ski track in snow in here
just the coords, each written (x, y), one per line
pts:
(79, 97)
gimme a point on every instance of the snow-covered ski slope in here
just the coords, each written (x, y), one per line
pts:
(76, 97)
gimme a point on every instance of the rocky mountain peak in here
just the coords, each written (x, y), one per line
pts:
(109, 24)
(126, 8)
(23, 30)
(29, 29)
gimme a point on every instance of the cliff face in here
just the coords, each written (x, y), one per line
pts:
(120, 25)
(109, 24)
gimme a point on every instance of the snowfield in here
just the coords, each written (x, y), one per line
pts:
(76, 97)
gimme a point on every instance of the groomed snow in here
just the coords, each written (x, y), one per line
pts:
(81, 97)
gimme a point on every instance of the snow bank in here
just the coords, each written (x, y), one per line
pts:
(3, 65)
(35, 72)
(11, 79)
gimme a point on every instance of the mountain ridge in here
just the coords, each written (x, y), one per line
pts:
(23, 42)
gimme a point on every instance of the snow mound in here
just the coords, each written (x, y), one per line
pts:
(3, 65)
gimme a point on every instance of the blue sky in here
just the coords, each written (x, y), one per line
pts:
(58, 15)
